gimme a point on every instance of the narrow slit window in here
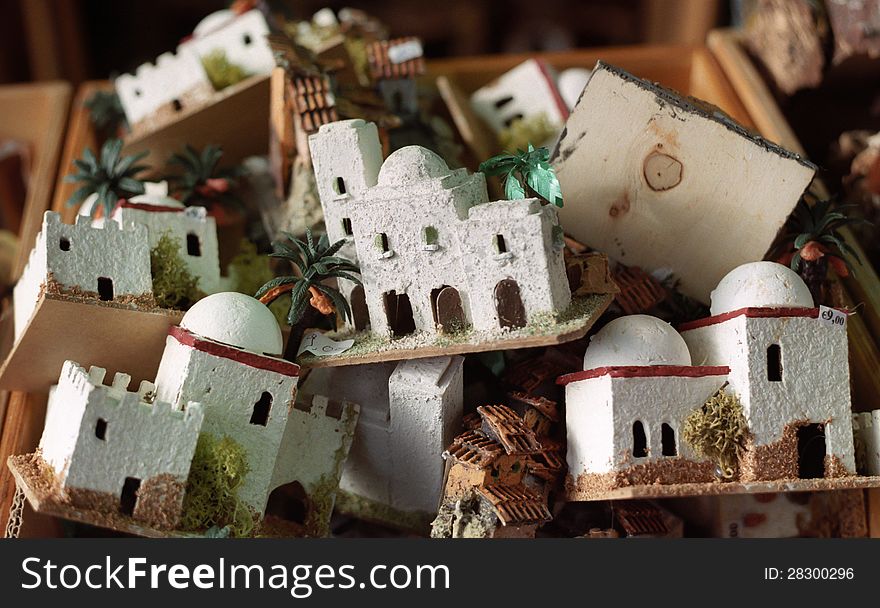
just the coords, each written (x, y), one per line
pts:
(193, 245)
(339, 186)
(101, 429)
(346, 226)
(175, 103)
(500, 244)
(105, 288)
(640, 440)
(667, 439)
(260, 415)
(381, 242)
(64, 244)
(503, 101)
(774, 363)
(128, 500)
(430, 235)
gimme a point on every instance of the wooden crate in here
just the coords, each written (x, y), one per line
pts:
(35, 113)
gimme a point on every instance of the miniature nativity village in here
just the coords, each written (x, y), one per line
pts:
(536, 308)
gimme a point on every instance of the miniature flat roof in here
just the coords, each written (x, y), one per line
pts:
(646, 371)
(752, 313)
(515, 504)
(702, 108)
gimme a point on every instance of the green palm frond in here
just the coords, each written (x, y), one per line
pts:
(190, 170)
(524, 171)
(111, 176)
(316, 262)
(821, 221)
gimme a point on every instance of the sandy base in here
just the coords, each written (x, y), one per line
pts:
(571, 324)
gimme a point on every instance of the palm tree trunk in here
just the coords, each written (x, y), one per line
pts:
(310, 318)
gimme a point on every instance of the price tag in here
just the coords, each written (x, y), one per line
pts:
(316, 343)
(832, 316)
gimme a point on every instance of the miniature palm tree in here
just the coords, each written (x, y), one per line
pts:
(814, 243)
(111, 178)
(198, 180)
(309, 297)
(524, 172)
(106, 112)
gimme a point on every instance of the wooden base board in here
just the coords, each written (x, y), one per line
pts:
(713, 488)
(237, 119)
(118, 339)
(395, 350)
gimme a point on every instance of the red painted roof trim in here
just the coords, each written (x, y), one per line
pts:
(127, 204)
(752, 313)
(646, 371)
(279, 366)
(557, 97)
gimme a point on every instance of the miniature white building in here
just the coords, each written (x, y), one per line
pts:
(118, 450)
(111, 262)
(410, 411)
(789, 369)
(225, 354)
(191, 228)
(154, 94)
(764, 344)
(527, 90)
(431, 248)
(866, 426)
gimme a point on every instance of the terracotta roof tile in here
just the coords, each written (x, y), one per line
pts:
(474, 448)
(639, 291)
(515, 504)
(503, 425)
(382, 67)
(547, 407)
(639, 518)
(313, 101)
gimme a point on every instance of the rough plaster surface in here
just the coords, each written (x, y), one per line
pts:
(409, 414)
(531, 90)
(121, 254)
(141, 439)
(636, 340)
(414, 190)
(178, 225)
(228, 391)
(601, 411)
(235, 319)
(760, 284)
(867, 429)
(815, 375)
(243, 38)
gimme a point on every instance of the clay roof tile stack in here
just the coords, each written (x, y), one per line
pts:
(314, 102)
(507, 428)
(383, 68)
(516, 504)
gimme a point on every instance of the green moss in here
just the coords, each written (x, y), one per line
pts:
(718, 431)
(221, 72)
(535, 129)
(173, 284)
(218, 470)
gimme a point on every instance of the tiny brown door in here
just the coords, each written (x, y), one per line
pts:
(360, 315)
(448, 313)
(509, 304)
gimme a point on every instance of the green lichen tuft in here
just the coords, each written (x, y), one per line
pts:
(221, 72)
(535, 129)
(173, 284)
(718, 431)
(218, 470)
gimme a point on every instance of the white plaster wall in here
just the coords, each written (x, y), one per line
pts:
(193, 220)
(403, 201)
(815, 375)
(532, 93)
(121, 254)
(228, 391)
(141, 440)
(410, 412)
(867, 427)
(254, 55)
(589, 424)
(154, 85)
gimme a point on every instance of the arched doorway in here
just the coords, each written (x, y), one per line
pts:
(448, 312)
(399, 313)
(290, 503)
(508, 303)
(360, 314)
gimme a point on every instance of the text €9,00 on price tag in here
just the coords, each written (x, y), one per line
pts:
(832, 316)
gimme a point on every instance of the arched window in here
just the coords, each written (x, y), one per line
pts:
(640, 440)
(667, 440)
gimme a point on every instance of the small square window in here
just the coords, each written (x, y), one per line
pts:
(431, 236)
(381, 242)
(64, 244)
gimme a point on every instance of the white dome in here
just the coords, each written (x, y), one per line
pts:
(411, 164)
(156, 193)
(237, 320)
(760, 285)
(636, 340)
